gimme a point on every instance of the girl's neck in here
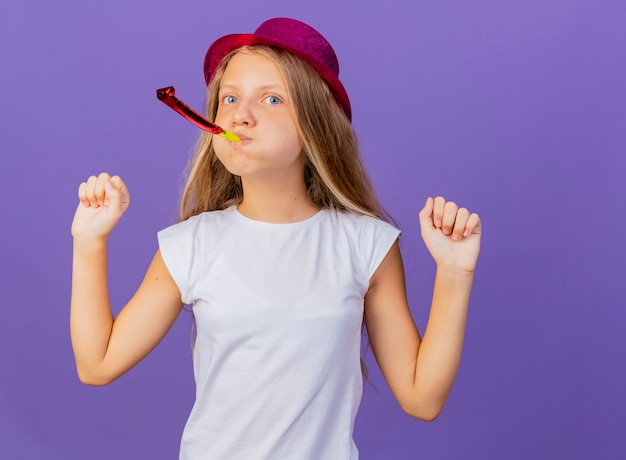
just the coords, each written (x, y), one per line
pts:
(276, 204)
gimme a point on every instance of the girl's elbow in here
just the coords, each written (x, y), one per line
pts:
(93, 378)
(425, 413)
(425, 416)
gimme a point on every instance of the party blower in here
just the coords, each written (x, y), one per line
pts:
(167, 96)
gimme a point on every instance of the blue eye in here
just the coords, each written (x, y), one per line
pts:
(273, 100)
(229, 99)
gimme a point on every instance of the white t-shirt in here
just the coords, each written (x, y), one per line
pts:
(279, 309)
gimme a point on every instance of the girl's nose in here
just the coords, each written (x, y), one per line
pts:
(243, 114)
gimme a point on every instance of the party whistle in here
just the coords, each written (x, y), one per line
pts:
(167, 96)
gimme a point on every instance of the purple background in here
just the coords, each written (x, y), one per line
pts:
(516, 109)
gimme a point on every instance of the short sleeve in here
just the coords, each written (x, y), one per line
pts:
(377, 239)
(177, 245)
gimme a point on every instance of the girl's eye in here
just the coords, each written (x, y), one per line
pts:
(229, 99)
(273, 100)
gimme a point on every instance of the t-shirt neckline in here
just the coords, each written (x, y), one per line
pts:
(278, 226)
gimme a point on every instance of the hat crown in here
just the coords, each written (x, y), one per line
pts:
(301, 37)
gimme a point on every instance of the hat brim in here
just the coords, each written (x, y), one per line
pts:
(224, 45)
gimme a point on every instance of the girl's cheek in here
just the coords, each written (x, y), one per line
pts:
(221, 114)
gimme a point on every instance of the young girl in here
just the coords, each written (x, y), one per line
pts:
(283, 252)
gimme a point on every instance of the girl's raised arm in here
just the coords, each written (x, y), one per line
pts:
(420, 372)
(107, 347)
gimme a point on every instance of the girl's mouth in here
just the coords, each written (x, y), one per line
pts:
(243, 140)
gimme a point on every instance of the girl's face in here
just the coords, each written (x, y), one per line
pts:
(253, 102)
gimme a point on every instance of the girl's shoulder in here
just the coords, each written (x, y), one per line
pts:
(359, 221)
(202, 219)
(364, 232)
(368, 238)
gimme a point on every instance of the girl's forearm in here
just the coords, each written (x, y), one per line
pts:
(91, 319)
(439, 353)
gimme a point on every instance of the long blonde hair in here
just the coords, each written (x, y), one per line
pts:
(334, 173)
